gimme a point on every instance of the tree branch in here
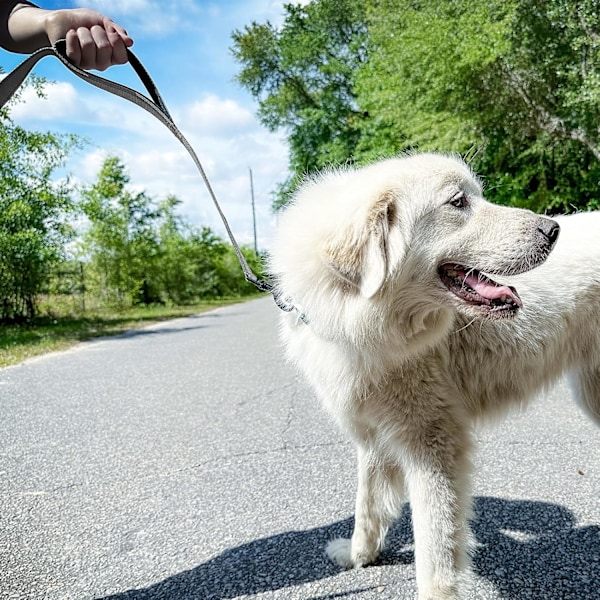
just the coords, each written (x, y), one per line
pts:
(542, 117)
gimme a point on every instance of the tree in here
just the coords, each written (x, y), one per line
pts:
(196, 263)
(34, 215)
(121, 241)
(303, 78)
(422, 57)
(139, 251)
(513, 83)
(559, 88)
(188, 257)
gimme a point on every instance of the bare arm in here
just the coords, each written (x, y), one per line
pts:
(94, 41)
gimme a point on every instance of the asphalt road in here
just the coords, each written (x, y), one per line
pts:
(187, 461)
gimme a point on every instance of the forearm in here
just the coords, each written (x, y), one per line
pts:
(23, 26)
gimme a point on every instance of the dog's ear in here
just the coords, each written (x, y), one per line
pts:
(362, 254)
(376, 255)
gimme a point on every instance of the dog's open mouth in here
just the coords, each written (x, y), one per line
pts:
(476, 289)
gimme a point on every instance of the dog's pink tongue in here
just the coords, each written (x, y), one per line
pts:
(490, 291)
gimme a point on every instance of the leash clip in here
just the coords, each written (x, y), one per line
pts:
(286, 304)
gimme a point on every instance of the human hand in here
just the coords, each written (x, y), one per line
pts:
(94, 41)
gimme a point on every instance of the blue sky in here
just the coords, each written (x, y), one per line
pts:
(184, 45)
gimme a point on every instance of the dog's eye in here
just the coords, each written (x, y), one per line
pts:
(459, 200)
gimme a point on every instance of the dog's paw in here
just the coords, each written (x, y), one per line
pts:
(450, 592)
(340, 552)
(441, 596)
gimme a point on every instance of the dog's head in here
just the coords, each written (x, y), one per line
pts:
(413, 233)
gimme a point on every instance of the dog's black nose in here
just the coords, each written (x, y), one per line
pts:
(550, 229)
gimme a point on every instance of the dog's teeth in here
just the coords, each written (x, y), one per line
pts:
(452, 273)
(503, 299)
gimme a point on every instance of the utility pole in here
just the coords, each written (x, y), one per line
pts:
(253, 210)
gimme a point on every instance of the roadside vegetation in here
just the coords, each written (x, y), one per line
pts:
(59, 331)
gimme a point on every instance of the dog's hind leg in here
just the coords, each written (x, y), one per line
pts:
(378, 503)
(585, 386)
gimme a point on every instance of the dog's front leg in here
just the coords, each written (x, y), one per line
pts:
(378, 502)
(437, 473)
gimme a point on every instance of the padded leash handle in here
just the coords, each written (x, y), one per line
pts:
(154, 105)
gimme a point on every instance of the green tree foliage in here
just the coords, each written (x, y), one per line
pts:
(513, 84)
(139, 251)
(120, 241)
(303, 78)
(424, 60)
(133, 251)
(188, 258)
(33, 215)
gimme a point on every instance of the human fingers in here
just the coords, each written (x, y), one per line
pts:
(81, 48)
(119, 41)
(111, 27)
(95, 48)
(93, 40)
(73, 47)
(101, 51)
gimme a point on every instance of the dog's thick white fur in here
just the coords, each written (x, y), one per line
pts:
(409, 343)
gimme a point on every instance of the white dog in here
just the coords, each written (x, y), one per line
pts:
(423, 309)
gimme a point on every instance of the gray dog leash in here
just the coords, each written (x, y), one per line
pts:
(157, 108)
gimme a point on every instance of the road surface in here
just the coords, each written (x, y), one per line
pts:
(188, 461)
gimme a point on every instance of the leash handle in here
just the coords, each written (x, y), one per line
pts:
(155, 105)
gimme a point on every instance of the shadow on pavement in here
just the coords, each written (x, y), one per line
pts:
(272, 563)
(169, 326)
(536, 550)
(526, 549)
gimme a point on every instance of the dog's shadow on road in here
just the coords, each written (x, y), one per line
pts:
(525, 548)
(535, 550)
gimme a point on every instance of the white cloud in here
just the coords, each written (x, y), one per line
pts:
(65, 103)
(60, 102)
(148, 16)
(217, 116)
(228, 140)
(167, 169)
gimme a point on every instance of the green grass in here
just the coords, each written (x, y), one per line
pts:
(59, 332)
